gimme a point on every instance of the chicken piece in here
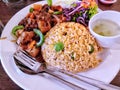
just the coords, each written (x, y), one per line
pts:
(44, 26)
(33, 51)
(26, 42)
(19, 32)
(25, 37)
(59, 18)
(56, 8)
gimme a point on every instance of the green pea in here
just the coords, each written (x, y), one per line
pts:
(91, 49)
(59, 46)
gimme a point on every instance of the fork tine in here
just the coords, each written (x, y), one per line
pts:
(26, 60)
(28, 57)
(18, 57)
(36, 66)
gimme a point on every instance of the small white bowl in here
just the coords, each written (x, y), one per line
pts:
(112, 42)
(108, 1)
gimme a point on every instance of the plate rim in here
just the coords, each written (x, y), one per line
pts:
(2, 62)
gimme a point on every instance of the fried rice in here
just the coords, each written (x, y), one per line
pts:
(75, 57)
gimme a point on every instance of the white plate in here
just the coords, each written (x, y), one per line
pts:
(108, 2)
(105, 72)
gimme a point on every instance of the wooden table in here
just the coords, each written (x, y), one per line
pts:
(6, 13)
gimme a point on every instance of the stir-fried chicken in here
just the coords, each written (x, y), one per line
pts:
(26, 42)
(25, 37)
(42, 18)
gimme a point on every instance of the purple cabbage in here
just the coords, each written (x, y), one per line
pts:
(77, 14)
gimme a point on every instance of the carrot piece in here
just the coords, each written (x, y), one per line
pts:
(93, 3)
(31, 15)
(37, 7)
(88, 3)
(31, 45)
(28, 15)
(84, 4)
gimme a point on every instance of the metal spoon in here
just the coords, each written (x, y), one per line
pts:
(29, 60)
(28, 65)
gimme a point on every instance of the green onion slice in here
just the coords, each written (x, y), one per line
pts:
(59, 46)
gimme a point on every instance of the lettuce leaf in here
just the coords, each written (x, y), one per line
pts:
(92, 11)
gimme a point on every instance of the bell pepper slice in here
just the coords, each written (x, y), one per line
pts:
(57, 12)
(39, 33)
(18, 27)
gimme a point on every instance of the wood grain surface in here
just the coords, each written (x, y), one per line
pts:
(6, 13)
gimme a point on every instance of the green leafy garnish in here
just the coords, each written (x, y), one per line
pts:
(57, 12)
(49, 2)
(74, 19)
(72, 56)
(31, 10)
(91, 48)
(74, 5)
(59, 46)
(92, 11)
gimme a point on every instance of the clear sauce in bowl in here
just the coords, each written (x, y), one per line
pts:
(106, 28)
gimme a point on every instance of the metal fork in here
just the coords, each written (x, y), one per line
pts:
(30, 62)
(37, 67)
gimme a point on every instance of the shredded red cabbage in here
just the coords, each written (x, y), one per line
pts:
(77, 14)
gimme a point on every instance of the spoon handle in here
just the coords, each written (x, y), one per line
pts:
(65, 82)
(93, 82)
